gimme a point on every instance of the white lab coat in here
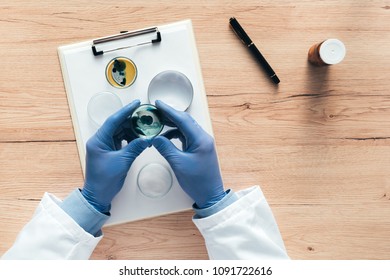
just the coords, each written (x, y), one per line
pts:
(245, 229)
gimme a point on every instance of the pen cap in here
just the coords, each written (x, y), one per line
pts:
(328, 52)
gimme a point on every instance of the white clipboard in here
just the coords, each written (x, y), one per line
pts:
(84, 75)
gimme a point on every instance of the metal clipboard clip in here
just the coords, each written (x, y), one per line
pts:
(124, 35)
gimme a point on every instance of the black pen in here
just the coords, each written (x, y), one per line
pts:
(253, 49)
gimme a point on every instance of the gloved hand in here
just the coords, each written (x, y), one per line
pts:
(107, 163)
(196, 166)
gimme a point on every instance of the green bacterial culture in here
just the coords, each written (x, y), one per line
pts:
(146, 121)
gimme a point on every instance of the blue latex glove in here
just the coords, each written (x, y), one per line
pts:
(107, 163)
(196, 166)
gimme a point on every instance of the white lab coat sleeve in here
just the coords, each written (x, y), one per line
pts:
(246, 229)
(52, 234)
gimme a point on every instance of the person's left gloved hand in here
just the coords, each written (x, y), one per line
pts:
(107, 163)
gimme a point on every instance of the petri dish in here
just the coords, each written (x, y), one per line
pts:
(146, 121)
(173, 88)
(154, 180)
(101, 106)
(121, 72)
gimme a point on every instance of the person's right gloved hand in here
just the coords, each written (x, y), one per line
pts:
(107, 162)
(196, 166)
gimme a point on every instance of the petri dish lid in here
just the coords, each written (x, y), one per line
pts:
(101, 106)
(154, 180)
(173, 88)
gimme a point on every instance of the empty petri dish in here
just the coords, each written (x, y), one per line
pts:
(146, 121)
(101, 106)
(173, 88)
(121, 72)
(154, 180)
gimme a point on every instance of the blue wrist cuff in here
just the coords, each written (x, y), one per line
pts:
(77, 207)
(228, 199)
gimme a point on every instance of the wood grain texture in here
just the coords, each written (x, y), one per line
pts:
(318, 144)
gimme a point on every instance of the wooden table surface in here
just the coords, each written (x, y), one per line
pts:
(318, 144)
